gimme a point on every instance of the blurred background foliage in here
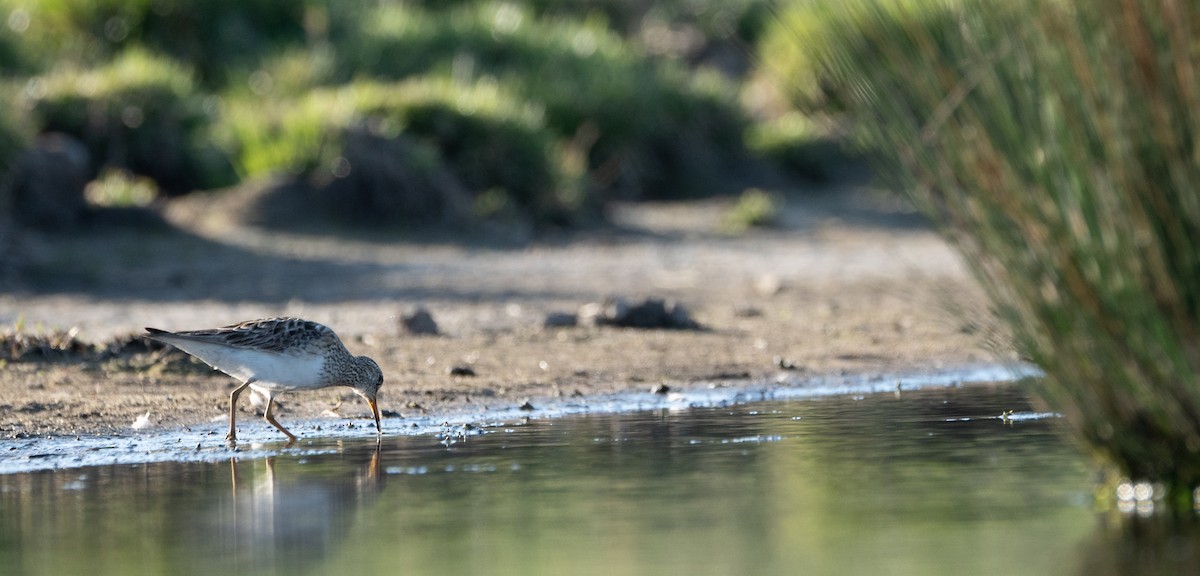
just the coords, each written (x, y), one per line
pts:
(543, 110)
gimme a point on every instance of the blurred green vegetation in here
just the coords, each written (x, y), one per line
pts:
(117, 188)
(755, 208)
(12, 141)
(214, 37)
(139, 112)
(654, 129)
(552, 108)
(473, 130)
(1056, 145)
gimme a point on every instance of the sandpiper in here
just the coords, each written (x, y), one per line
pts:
(278, 355)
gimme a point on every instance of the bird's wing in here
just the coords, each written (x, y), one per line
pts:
(273, 334)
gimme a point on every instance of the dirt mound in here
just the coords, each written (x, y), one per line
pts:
(377, 183)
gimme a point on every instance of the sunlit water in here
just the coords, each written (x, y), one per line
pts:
(927, 482)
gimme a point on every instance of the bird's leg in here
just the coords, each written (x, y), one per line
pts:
(233, 396)
(271, 418)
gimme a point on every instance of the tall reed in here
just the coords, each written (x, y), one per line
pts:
(1055, 144)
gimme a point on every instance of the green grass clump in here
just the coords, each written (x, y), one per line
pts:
(497, 146)
(213, 37)
(117, 188)
(755, 208)
(806, 36)
(1056, 145)
(794, 40)
(139, 112)
(677, 28)
(651, 129)
(713, 16)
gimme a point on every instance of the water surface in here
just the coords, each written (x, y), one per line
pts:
(924, 482)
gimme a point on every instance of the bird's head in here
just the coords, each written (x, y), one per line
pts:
(369, 382)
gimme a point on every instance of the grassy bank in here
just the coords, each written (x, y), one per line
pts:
(594, 101)
(1056, 147)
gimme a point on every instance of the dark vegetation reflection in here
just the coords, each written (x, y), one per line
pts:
(924, 483)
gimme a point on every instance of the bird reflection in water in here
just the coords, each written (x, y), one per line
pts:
(289, 512)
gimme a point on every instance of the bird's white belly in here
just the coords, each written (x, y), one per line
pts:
(270, 371)
(281, 372)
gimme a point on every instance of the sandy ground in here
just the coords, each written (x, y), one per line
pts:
(845, 284)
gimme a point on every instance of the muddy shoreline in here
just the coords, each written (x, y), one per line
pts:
(204, 442)
(845, 285)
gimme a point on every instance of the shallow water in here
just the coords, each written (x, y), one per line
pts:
(924, 482)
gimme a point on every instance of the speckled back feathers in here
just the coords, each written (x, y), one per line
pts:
(270, 334)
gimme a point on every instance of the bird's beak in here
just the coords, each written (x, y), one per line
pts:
(375, 412)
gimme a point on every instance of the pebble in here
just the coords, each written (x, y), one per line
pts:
(650, 313)
(419, 322)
